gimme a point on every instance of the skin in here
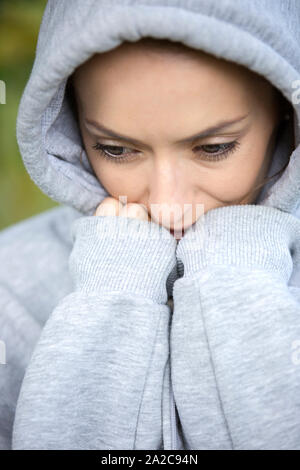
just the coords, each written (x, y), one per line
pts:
(160, 98)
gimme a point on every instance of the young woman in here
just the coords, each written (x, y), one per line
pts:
(169, 133)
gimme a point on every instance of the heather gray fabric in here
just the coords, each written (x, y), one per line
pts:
(95, 355)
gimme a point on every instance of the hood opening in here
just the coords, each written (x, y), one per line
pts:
(63, 143)
(262, 39)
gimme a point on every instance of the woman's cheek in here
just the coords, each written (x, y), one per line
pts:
(117, 182)
(232, 186)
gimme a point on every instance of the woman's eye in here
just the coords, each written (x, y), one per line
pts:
(212, 151)
(209, 152)
(113, 152)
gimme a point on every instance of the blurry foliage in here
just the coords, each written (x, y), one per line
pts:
(19, 26)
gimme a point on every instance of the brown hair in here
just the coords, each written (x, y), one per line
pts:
(285, 113)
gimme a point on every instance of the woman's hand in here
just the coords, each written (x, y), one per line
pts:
(111, 206)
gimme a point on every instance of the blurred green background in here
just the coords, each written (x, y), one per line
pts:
(19, 26)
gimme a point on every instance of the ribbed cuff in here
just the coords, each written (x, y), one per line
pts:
(113, 253)
(253, 236)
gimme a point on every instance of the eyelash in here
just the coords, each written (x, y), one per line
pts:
(232, 147)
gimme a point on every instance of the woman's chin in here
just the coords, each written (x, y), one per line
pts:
(178, 234)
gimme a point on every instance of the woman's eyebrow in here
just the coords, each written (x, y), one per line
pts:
(207, 132)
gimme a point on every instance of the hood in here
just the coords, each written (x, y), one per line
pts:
(263, 35)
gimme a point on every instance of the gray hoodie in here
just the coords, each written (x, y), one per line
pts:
(93, 356)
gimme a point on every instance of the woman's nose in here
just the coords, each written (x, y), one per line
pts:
(168, 203)
(169, 194)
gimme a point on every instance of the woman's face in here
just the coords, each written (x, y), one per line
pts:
(156, 103)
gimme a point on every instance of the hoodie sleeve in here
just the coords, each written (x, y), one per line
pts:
(235, 335)
(15, 351)
(95, 377)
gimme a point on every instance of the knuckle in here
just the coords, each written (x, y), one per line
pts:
(135, 210)
(109, 206)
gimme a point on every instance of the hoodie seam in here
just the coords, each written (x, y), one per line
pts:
(145, 381)
(212, 366)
